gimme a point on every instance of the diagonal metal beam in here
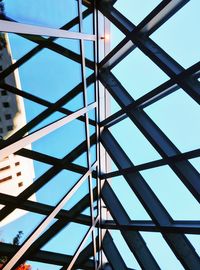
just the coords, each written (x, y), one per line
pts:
(45, 256)
(133, 239)
(41, 227)
(179, 244)
(43, 179)
(184, 170)
(164, 11)
(153, 51)
(151, 97)
(37, 99)
(64, 218)
(154, 164)
(112, 254)
(38, 48)
(39, 118)
(30, 138)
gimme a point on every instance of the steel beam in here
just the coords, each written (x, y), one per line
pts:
(184, 170)
(151, 97)
(38, 48)
(179, 244)
(133, 239)
(190, 227)
(154, 164)
(20, 28)
(112, 254)
(39, 118)
(41, 227)
(44, 256)
(42, 180)
(30, 138)
(152, 50)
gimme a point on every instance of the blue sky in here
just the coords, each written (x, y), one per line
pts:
(177, 115)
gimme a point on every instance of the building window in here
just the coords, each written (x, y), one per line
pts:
(19, 173)
(7, 116)
(20, 184)
(1, 130)
(9, 128)
(6, 104)
(17, 163)
(5, 179)
(5, 168)
(1, 68)
(4, 92)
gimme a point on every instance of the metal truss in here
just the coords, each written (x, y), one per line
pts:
(101, 252)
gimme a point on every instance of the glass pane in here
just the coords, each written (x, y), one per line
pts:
(139, 150)
(128, 199)
(195, 240)
(171, 191)
(89, 50)
(178, 37)
(124, 250)
(59, 142)
(115, 36)
(196, 163)
(91, 97)
(42, 266)
(67, 240)
(88, 24)
(163, 255)
(52, 192)
(78, 195)
(17, 221)
(41, 12)
(178, 117)
(138, 74)
(137, 10)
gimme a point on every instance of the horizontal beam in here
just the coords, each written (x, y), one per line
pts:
(153, 164)
(20, 28)
(190, 227)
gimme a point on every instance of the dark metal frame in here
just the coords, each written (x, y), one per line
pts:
(107, 147)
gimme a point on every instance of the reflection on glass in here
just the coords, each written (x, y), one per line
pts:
(19, 220)
(42, 12)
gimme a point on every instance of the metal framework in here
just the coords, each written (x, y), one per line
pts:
(106, 212)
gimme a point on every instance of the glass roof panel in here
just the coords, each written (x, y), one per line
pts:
(178, 35)
(138, 74)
